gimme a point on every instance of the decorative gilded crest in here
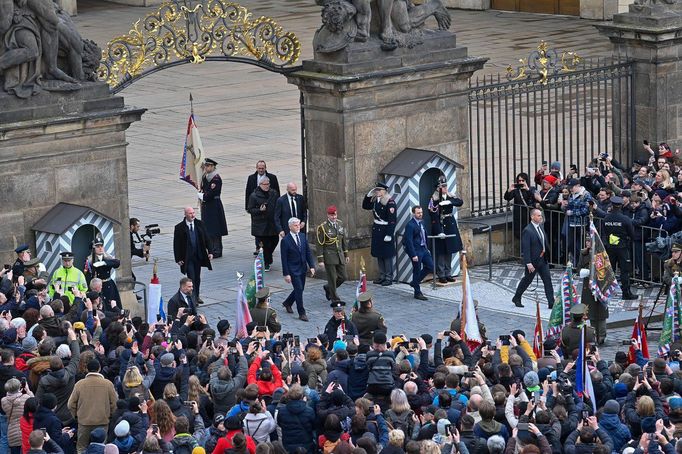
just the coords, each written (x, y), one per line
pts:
(542, 63)
(193, 31)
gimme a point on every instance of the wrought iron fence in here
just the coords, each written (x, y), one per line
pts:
(559, 112)
(566, 242)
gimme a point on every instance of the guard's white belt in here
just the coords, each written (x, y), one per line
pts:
(380, 222)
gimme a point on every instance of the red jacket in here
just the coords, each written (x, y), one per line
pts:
(265, 388)
(226, 443)
(26, 429)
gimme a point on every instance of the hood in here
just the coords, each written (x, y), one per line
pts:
(174, 404)
(124, 443)
(343, 365)
(56, 378)
(296, 407)
(165, 374)
(184, 440)
(609, 421)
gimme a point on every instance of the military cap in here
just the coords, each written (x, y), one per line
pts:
(676, 247)
(337, 306)
(578, 309)
(331, 209)
(616, 200)
(263, 293)
(21, 248)
(381, 185)
(442, 181)
(98, 241)
(364, 297)
(33, 262)
(210, 161)
(66, 255)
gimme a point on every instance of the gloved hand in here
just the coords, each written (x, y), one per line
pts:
(200, 196)
(387, 238)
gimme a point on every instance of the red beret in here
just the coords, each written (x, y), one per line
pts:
(551, 179)
(331, 209)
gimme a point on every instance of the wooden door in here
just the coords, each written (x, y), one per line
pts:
(505, 5)
(567, 7)
(538, 6)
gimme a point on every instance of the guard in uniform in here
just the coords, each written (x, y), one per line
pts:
(570, 334)
(212, 211)
(383, 208)
(331, 237)
(673, 264)
(442, 206)
(23, 255)
(262, 314)
(66, 277)
(34, 279)
(339, 326)
(99, 265)
(367, 320)
(599, 312)
(617, 231)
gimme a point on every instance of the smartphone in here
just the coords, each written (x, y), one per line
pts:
(413, 340)
(7, 267)
(446, 333)
(522, 426)
(297, 341)
(260, 329)
(126, 313)
(155, 429)
(585, 415)
(505, 339)
(312, 340)
(232, 344)
(188, 403)
(158, 318)
(44, 430)
(349, 338)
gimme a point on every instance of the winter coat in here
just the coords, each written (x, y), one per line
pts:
(343, 409)
(265, 388)
(297, 422)
(125, 445)
(26, 429)
(317, 372)
(225, 443)
(380, 365)
(358, 374)
(46, 418)
(339, 374)
(571, 447)
(7, 372)
(259, 426)
(262, 222)
(13, 406)
(179, 409)
(619, 432)
(93, 400)
(138, 422)
(224, 392)
(60, 383)
(95, 448)
(164, 375)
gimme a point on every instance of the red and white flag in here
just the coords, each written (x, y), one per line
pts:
(243, 314)
(538, 341)
(638, 333)
(192, 155)
(469, 326)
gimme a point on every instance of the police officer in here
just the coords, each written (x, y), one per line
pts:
(100, 265)
(442, 206)
(617, 231)
(262, 314)
(23, 255)
(383, 208)
(367, 320)
(212, 211)
(331, 237)
(66, 277)
(570, 334)
(673, 264)
(339, 326)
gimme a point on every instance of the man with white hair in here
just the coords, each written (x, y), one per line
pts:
(52, 325)
(297, 260)
(262, 206)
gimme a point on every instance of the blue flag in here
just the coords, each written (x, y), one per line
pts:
(162, 313)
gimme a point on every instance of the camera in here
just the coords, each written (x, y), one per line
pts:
(232, 344)
(446, 333)
(468, 375)
(149, 232)
(7, 267)
(312, 340)
(505, 339)
(261, 329)
(518, 185)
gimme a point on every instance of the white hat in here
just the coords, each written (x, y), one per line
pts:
(122, 429)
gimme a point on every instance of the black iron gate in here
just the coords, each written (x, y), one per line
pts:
(552, 108)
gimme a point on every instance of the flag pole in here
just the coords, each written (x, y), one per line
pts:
(463, 312)
(191, 103)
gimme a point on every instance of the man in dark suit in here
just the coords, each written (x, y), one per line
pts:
(415, 245)
(297, 259)
(183, 299)
(190, 247)
(290, 205)
(254, 181)
(534, 247)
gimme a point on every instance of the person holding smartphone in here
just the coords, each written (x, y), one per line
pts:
(339, 326)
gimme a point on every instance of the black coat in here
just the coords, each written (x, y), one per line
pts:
(252, 184)
(212, 211)
(175, 303)
(283, 211)
(263, 222)
(181, 248)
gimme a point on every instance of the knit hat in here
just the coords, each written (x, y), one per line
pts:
(620, 390)
(167, 359)
(277, 395)
(338, 345)
(98, 435)
(233, 423)
(443, 426)
(29, 344)
(111, 448)
(9, 336)
(63, 351)
(338, 396)
(516, 332)
(659, 366)
(621, 358)
(379, 337)
(428, 339)
(134, 403)
(549, 344)
(217, 419)
(555, 165)
(675, 403)
(543, 373)
(551, 179)
(531, 381)
(612, 407)
(648, 424)
(48, 400)
(122, 428)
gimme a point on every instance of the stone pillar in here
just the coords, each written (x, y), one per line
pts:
(363, 106)
(64, 147)
(651, 36)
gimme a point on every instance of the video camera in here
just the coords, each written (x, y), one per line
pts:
(149, 232)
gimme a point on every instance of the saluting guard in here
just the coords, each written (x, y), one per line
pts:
(212, 211)
(384, 209)
(442, 206)
(331, 237)
(99, 265)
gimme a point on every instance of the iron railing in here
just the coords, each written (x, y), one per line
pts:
(570, 117)
(646, 267)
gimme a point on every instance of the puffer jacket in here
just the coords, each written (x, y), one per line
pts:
(60, 383)
(357, 376)
(259, 426)
(265, 388)
(297, 422)
(224, 392)
(619, 432)
(13, 406)
(339, 374)
(164, 375)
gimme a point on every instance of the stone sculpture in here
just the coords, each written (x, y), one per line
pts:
(40, 48)
(400, 22)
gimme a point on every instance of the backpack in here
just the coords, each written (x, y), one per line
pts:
(182, 449)
(403, 422)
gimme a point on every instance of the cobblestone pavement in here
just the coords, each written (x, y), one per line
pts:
(246, 113)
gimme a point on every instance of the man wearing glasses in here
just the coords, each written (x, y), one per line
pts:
(261, 206)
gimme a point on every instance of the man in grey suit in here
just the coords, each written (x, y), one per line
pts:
(534, 247)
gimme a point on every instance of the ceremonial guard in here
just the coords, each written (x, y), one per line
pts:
(570, 334)
(617, 230)
(673, 264)
(66, 277)
(212, 211)
(442, 206)
(383, 208)
(367, 320)
(331, 237)
(597, 311)
(339, 326)
(99, 265)
(23, 256)
(262, 314)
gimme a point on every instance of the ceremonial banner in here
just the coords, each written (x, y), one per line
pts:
(469, 326)
(602, 277)
(192, 155)
(566, 297)
(243, 314)
(538, 348)
(671, 319)
(638, 333)
(257, 280)
(362, 283)
(583, 380)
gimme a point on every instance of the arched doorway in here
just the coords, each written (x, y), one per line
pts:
(80, 243)
(427, 184)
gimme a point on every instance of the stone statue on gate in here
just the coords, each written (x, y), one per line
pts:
(401, 22)
(40, 48)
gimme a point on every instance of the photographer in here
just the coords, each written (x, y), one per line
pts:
(522, 197)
